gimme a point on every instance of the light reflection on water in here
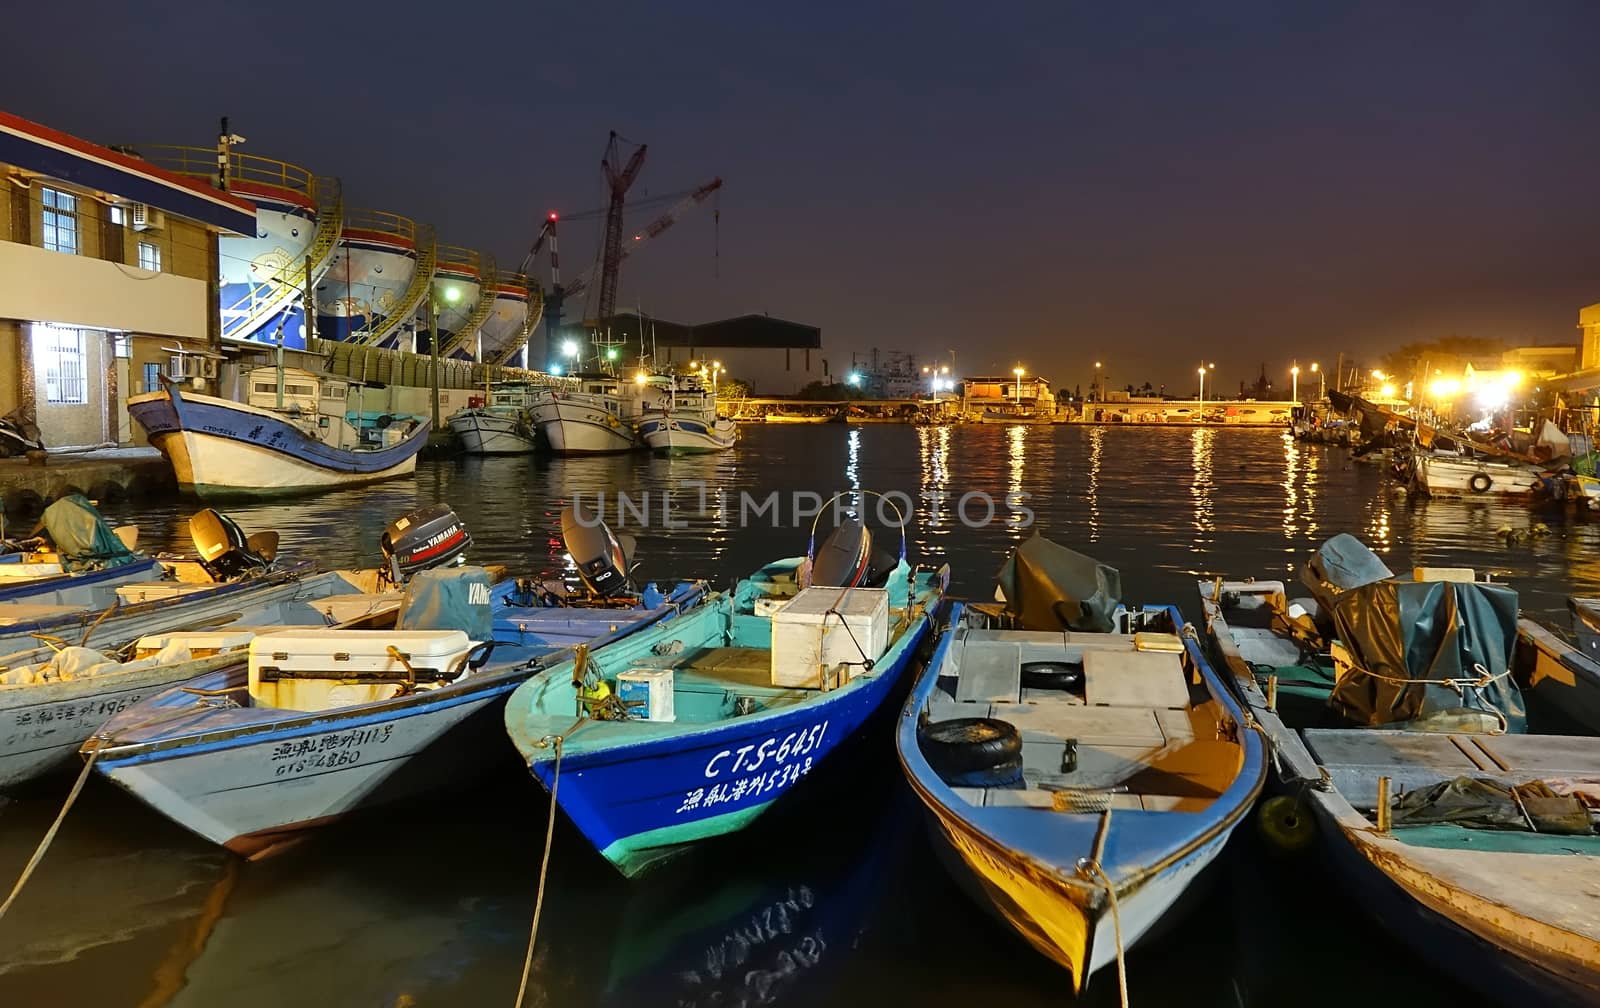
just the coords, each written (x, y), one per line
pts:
(435, 898)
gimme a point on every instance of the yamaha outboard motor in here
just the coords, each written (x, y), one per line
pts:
(848, 559)
(225, 553)
(426, 538)
(601, 556)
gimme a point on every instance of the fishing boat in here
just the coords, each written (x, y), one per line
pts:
(599, 417)
(1014, 416)
(1081, 762)
(317, 723)
(693, 729)
(293, 435)
(1409, 720)
(686, 422)
(1444, 475)
(798, 417)
(80, 561)
(502, 425)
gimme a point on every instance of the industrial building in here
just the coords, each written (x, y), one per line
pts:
(773, 357)
(107, 262)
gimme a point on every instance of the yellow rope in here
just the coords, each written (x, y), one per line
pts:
(50, 834)
(1094, 868)
(544, 869)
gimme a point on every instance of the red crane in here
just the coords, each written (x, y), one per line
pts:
(619, 177)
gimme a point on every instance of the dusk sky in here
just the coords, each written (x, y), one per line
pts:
(1148, 184)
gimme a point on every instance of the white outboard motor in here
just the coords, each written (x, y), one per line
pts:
(225, 553)
(601, 556)
(426, 538)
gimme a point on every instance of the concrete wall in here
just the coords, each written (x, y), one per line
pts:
(43, 286)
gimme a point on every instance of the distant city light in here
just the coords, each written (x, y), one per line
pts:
(611, 353)
(555, 369)
(1387, 390)
(854, 378)
(569, 348)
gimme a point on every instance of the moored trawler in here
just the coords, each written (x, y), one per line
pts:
(687, 422)
(502, 426)
(599, 417)
(220, 448)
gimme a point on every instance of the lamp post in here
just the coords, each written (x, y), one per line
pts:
(1098, 390)
(451, 294)
(1019, 372)
(716, 366)
(1203, 369)
(1294, 374)
(1322, 381)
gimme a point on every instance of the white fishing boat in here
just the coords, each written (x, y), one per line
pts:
(795, 417)
(687, 422)
(502, 425)
(600, 416)
(294, 434)
(1440, 475)
(1417, 733)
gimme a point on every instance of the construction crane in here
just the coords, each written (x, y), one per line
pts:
(547, 236)
(619, 178)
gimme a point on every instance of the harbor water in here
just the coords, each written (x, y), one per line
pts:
(837, 898)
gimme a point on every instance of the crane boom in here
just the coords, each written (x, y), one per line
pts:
(654, 228)
(618, 181)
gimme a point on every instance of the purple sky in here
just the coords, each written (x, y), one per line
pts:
(1051, 184)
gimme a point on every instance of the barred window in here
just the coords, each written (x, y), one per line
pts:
(149, 256)
(152, 377)
(58, 352)
(60, 219)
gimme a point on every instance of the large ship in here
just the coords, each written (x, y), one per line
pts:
(377, 280)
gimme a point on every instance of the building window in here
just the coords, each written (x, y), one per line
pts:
(58, 355)
(117, 216)
(60, 221)
(152, 377)
(121, 345)
(149, 256)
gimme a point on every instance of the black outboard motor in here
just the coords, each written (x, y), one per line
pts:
(426, 538)
(848, 559)
(601, 556)
(225, 553)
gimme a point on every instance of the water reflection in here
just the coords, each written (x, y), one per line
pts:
(1017, 454)
(1203, 489)
(1097, 450)
(852, 465)
(933, 505)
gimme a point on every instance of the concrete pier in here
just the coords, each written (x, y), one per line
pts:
(108, 475)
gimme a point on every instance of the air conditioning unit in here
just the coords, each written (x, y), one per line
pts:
(143, 217)
(194, 368)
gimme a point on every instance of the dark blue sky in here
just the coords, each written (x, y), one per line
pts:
(1051, 184)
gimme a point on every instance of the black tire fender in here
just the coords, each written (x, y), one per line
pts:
(383, 421)
(962, 745)
(1480, 482)
(1052, 675)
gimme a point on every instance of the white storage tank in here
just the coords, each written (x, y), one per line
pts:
(824, 635)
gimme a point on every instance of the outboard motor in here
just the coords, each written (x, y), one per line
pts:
(426, 538)
(225, 553)
(848, 559)
(600, 555)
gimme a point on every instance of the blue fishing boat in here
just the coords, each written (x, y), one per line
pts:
(317, 723)
(292, 435)
(695, 728)
(1082, 772)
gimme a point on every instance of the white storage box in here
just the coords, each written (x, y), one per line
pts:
(302, 669)
(647, 693)
(811, 647)
(201, 644)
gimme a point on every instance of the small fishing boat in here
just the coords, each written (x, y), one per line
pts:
(1010, 417)
(1410, 724)
(1443, 475)
(80, 562)
(502, 425)
(693, 729)
(284, 440)
(320, 722)
(1082, 763)
(686, 422)
(798, 417)
(598, 417)
(53, 696)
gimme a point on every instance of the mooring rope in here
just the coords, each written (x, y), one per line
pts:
(1094, 868)
(544, 868)
(50, 834)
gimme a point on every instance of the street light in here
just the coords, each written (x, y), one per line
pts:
(1019, 372)
(1098, 389)
(451, 295)
(1322, 381)
(1294, 373)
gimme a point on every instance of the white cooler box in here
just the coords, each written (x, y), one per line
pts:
(811, 647)
(278, 661)
(647, 692)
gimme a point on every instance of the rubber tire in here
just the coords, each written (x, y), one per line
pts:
(1007, 774)
(1052, 675)
(383, 422)
(1286, 824)
(1487, 482)
(961, 745)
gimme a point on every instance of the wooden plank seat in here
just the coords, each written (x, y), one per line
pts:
(1356, 757)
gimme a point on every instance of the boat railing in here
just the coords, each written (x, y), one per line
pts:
(381, 222)
(201, 163)
(458, 259)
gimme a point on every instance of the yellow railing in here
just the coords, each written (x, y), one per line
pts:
(460, 260)
(201, 163)
(241, 319)
(530, 321)
(416, 291)
(381, 221)
(480, 314)
(508, 278)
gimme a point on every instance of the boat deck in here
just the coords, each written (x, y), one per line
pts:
(1141, 734)
(1356, 757)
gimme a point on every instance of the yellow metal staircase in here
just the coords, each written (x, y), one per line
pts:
(530, 322)
(264, 301)
(480, 314)
(416, 293)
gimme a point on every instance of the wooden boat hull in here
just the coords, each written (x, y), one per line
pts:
(572, 425)
(1452, 477)
(483, 432)
(221, 449)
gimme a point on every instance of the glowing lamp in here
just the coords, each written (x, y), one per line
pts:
(569, 348)
(1387, 391)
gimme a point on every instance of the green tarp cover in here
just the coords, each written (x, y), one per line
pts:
(1049, 587)
(453, 598)
(1406, 637)
(82, 538)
